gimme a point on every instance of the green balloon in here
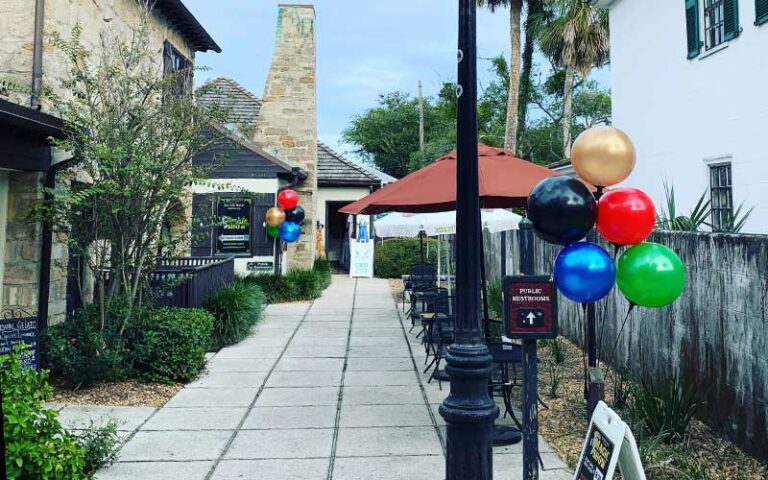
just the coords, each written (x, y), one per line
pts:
(650, 275)
(273, 232)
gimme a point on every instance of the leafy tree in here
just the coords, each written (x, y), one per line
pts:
(575, 37)
(131, 134)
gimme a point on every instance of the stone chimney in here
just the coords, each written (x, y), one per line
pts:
(287, 122)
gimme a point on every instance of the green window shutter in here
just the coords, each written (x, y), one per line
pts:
(692, 23)
(731, 19)
(761, 12)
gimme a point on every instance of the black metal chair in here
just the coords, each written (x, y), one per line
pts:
(439, 334)
(423, 277)
(506, 357)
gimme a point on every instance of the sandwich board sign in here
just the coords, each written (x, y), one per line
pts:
(609, 444)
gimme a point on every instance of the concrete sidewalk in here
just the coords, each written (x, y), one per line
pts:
(321, 391)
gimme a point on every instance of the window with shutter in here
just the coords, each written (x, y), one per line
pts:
(692, 21)
(202, 225)
(761, 12)
(731, 28)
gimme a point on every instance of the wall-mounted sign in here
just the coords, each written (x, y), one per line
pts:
(234, 232)
(361, 259)
(14, 331)
(530, 307)
(261, 266)
(609, 444)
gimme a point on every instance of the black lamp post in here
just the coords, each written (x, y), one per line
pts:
(468, 411)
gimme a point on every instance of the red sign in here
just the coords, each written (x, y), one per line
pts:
(530, 307)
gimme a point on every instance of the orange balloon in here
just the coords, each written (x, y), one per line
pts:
(275, 216)
(603, 156)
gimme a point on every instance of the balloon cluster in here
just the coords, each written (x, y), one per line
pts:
(284, 221)
(563, 211)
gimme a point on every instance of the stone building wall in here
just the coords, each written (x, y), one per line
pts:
(714, 336)
(113, 18)
(287, 123)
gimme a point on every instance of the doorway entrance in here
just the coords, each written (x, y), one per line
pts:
(336, 236)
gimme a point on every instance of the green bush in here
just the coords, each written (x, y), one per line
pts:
(235, 310)
(664, 406)
(37, 447)
(80, 353)
(173, 344)
(101, 445)
(393, 258)
(296, 285)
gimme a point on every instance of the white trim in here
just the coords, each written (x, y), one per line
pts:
(714, 50)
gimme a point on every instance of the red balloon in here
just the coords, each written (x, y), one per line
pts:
(288, 199)
(626, 216)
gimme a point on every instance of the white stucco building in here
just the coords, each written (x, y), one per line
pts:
(689, 81)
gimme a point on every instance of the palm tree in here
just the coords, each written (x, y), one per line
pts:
(533, 20)
(515, 14)
(577, 39)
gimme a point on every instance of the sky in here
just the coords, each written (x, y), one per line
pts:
(365, 48)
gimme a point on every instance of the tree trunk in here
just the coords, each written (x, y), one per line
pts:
(515, 12)
(567, 111)
(534, 7)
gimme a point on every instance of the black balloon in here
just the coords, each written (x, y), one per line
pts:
(562, 210)
(296, 215)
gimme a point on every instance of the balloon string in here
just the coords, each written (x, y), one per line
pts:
(584, 344)
(621, 330)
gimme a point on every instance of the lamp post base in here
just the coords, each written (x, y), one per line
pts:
(469, 413)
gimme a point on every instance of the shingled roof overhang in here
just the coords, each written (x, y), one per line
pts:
(182, 20)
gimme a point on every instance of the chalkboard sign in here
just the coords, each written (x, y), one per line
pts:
(14, 331)
(599, 449)
(235, 228)
(609, 445)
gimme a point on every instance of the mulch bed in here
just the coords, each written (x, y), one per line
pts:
(564, 426)
(129, 393)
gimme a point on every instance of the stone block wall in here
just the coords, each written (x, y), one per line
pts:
(115, 18)
(715, 335)
(287, 123)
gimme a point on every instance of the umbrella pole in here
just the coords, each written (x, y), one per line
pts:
(484, 284)
(421, 240)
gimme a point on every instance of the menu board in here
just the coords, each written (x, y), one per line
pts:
(14, 331)
(234, 232)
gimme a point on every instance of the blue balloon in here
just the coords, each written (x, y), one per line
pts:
(584, 272)
(290, 232)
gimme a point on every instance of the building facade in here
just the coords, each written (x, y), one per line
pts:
(688, 81)
(35, 265)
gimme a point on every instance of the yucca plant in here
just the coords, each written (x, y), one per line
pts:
(693, 222)
(736, 221)
(665, 406)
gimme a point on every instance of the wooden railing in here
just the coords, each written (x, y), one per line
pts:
(188, 282)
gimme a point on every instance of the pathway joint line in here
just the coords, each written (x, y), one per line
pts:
(332, 460)
(239, 427)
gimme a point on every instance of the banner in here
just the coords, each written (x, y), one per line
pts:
(361, 261)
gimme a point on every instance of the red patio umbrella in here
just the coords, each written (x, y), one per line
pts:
(505, 182)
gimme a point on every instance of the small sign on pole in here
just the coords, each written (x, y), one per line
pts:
(609, 444)
(530, 307)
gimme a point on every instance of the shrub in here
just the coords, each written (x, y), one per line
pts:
(173, 344)
(664, 406)
(81, 353)
(36, 444)
(294, 286)
(495, 300)
(393, 258)
(276, 288)
(307, 283)
(235, 310)
(100, 444)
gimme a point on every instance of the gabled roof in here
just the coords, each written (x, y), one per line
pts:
(182, 20)
(243, 106)
(333, 170)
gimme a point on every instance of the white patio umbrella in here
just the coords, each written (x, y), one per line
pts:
(442, 223)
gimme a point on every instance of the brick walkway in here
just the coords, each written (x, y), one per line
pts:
(321, 391)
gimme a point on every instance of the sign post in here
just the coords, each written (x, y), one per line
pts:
(530, 314)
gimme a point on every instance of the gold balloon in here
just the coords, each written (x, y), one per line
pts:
(603, 156)
(275, 216)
